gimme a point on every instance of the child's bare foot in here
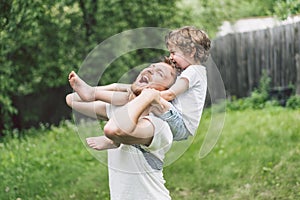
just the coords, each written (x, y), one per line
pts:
(85, 91)
(101, 143)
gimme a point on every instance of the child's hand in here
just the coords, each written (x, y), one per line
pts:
(157, 109)
(152, 94)
(157, 106)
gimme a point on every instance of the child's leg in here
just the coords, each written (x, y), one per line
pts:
(101, 143)
(94, 109)
(176, 123)
(102, 93)
(85, 91)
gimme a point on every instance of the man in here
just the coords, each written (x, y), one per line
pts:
(131, 176)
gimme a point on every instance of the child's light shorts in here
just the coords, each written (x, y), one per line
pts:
(176, 123)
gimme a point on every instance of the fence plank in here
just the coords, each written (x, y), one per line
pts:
(242, 57)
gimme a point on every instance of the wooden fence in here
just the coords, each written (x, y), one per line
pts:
(242, 57)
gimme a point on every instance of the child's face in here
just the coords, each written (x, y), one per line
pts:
(182, 60)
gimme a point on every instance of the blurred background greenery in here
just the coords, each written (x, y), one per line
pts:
(257, 156)
(42, 41)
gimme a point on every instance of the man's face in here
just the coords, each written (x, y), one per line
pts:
(159, 76)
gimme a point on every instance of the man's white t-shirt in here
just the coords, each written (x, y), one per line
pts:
(130, 176)
(191, 102)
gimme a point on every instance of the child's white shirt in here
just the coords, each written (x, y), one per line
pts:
(191, 102)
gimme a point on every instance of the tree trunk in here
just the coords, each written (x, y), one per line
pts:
(89, 11)
(297, 57)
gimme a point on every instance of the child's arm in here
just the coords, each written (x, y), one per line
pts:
(180, 86)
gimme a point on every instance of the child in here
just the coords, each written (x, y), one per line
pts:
(189, 48)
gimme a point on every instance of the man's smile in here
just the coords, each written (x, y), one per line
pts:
(144, 79)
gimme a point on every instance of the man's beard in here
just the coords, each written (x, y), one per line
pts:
(136, 90)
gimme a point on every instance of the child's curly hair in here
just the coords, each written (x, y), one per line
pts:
(187, 38)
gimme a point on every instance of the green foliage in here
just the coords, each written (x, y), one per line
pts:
(293, 102)
(229, 10)
(260, 95)
(286, 8)
(225, 10)
(42, 41)
(49, 164)
(36, 48)
(256, 157)
(258, 99)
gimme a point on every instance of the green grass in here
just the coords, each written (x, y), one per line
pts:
(50, 164)
(256, 157)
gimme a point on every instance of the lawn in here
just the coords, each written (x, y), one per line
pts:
(256, 157)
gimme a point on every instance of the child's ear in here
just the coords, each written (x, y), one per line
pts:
(193, 53)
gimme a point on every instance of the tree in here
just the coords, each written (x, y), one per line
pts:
(286, 8)
(42, 41)
(210, 14)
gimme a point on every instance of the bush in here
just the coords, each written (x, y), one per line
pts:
(293, 102)
(258, 99)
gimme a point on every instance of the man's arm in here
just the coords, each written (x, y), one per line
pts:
(121, 87)
(125, 125)
(113, 97)
(116, 93)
